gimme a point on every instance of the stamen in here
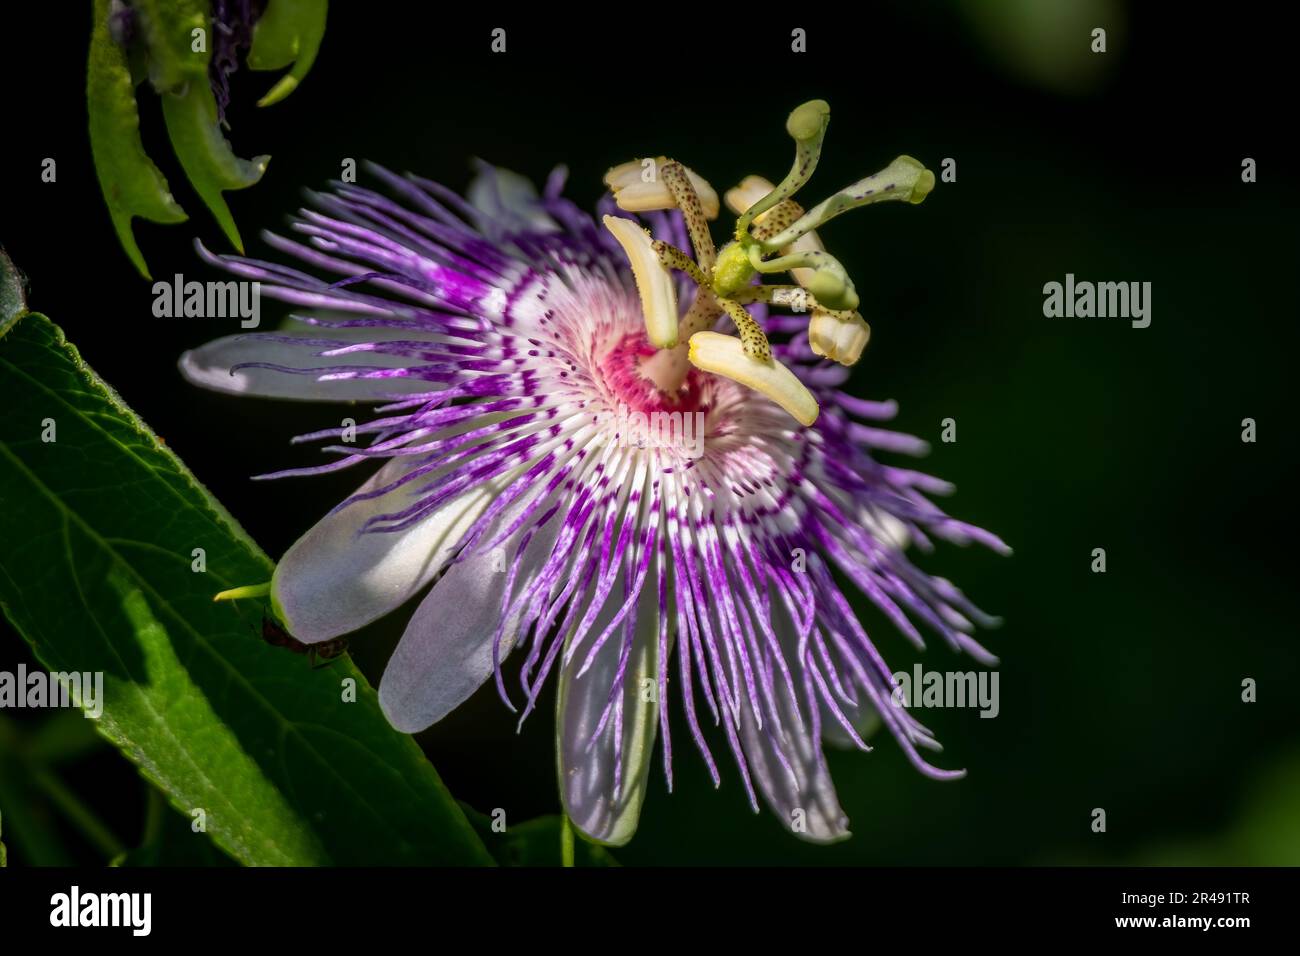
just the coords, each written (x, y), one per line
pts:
(688, 201)
(638, 187)
(725, 355)
(704, 311)
(654, 283)
(670, 257)
(746, 193)
(752, 337)
(838, 336)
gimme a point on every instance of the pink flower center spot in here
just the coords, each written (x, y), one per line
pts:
(627, 384)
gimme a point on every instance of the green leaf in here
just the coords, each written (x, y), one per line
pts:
(290, 31)
(190, 113)
(132, 185)
(98, 532)
(208, 161)
(168, 27)
(170, 840)
(534, 842)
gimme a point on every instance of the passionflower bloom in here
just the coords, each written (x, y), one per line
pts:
(526, 361)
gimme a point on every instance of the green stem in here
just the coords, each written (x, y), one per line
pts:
(81, 816)
(566, 841)
(247, 591)
(154, 814)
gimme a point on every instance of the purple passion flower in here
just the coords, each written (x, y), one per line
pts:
(606, 485)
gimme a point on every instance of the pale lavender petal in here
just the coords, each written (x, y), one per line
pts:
(447, 651)
(337, 577)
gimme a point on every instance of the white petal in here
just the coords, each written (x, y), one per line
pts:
(803, 795)
(884, 527)
(654, 283)
(587, 774)
(446, 652)
(863, 717)
(333, 581)
(209, 366)
(507, 199)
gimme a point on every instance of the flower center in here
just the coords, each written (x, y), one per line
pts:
(629, 380)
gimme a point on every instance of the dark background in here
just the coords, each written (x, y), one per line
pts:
(1119, 690)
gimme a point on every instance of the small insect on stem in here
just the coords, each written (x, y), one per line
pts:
(321, 655)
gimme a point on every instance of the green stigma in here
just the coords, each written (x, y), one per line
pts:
(808, 122)
(785, 222)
